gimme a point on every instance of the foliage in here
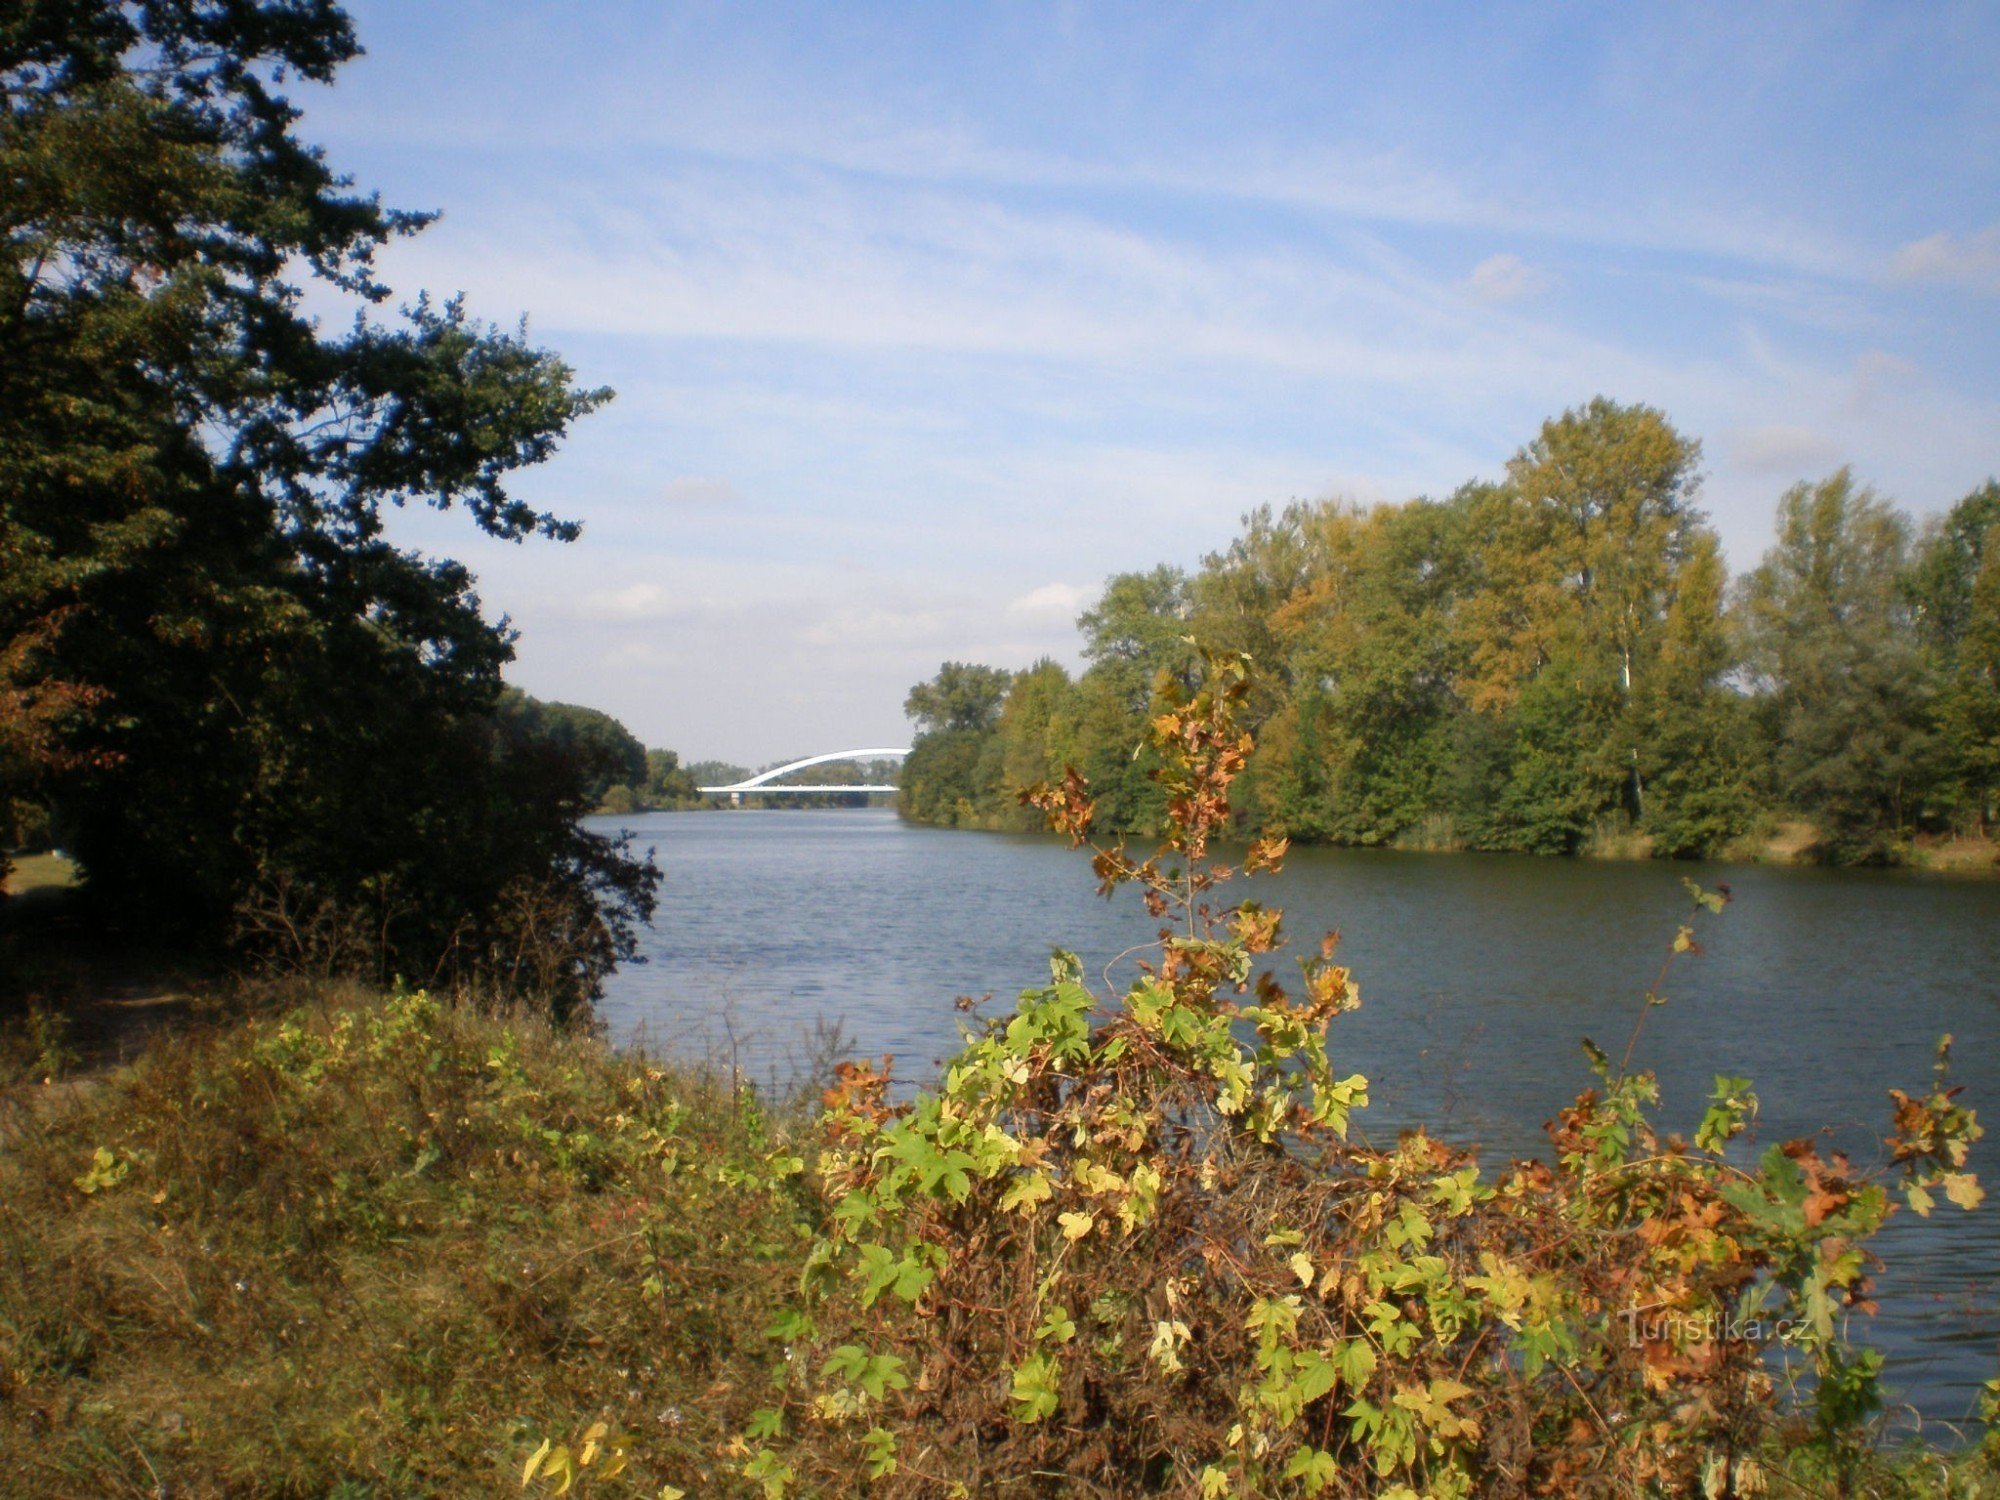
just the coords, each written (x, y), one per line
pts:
(1954, 589)
(1554, 662)
(220, 676)
(668, 784)
(1829, 631)
(1128, 1245)
(959, 697)
(386, 1248)
(603, 750)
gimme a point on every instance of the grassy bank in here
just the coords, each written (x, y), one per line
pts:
(382, 1249)
(1786, 842)
(370, 1247)
(1801, 843)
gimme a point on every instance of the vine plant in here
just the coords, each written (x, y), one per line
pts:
(1128, 1247)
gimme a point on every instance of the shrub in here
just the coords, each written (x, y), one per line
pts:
(1126, 1246)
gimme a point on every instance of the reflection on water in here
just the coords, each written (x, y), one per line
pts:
(1479, 973)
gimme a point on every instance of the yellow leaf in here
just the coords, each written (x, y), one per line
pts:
(1302, 1267)
(1025, 1193)
(534, 1463)
(1963, 1189)
(1076, 1226)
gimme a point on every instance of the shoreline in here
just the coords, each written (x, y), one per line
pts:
(1789, 846)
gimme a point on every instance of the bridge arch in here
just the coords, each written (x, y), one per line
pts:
(762, 781)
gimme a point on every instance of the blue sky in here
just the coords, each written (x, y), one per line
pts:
(924, 319)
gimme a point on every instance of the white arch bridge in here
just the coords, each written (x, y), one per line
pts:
(763, 783)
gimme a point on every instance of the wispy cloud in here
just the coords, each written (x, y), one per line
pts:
(1971, 260)
(1782, 449)
(1507, 278)
(694, 490)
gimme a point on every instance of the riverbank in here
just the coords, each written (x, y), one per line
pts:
(1794, 843)
(366, 1247)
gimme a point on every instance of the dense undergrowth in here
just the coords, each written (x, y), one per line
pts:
(383, 1249)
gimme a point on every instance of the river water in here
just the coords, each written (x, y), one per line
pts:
(1479, 974)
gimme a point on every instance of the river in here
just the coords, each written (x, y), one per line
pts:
(1479, 974)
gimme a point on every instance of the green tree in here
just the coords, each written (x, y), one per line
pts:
(1136, 635)
(1954, 587)
(1037, 736)
(961, 697)
(1138, 629)
(952, 775)
(1234, 600)
(605, 751)
(1373, 658)
(1609, 491)
(1833, 647)
(257, 688)
(1697, 745)
(667, 784)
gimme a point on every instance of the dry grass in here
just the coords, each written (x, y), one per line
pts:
(39, 872)
(1967, 855)
(1787, 843)
(381, 1250)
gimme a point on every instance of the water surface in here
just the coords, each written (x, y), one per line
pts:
(1479, 974)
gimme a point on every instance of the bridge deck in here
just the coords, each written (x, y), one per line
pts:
(762, 781)
(796, 791)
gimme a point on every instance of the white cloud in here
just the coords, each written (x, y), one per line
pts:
(1051, 602)
(1879, 375)
(638, 601)
(1782, 448)
(1506, 278)
(1809, 303)
(1972, 260)
(694, 490)
(873, 626)
(873, 269)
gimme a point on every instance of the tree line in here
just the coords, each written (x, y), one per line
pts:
(1556, 661)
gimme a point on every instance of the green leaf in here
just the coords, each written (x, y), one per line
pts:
(1034, 1387)
(1314, 1469)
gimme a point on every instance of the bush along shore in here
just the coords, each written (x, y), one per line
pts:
(1126, 1245)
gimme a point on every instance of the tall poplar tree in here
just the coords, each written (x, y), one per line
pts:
(1844, 689)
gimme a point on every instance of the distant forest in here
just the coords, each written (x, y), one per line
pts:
(1555, 662)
